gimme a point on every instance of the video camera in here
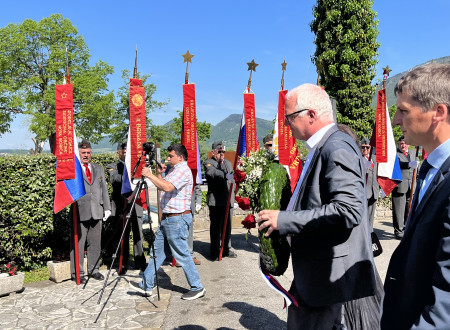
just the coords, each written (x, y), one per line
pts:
(149, 151)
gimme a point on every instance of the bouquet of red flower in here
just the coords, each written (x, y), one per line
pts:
(9, 268)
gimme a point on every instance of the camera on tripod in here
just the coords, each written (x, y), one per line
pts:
(149, 151)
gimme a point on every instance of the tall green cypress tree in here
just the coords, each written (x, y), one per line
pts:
(346, 55)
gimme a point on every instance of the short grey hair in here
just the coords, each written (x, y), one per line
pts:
(312, 97)
(429, 85)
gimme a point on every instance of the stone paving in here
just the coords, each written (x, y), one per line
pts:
(236, 297)
(66, 305)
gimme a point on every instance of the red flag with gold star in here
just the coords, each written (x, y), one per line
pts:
(64, 143)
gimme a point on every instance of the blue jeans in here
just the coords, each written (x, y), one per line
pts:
(173, 234)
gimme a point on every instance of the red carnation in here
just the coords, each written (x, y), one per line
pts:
(244, 203)
(239, 176)
(249, 222)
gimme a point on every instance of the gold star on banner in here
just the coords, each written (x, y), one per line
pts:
(283, 65)
(187, 57)
(252, 66)
(63, 95)
(386, 70)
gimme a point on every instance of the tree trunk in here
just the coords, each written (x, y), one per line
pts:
(38, 146)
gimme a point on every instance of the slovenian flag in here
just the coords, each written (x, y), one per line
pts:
(127, 184)
(389, 172)
(242, 143)
(69, 191)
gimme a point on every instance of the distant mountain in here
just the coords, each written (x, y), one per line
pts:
(228, 130)
(392, 81)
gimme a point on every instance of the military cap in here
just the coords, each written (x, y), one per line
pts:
(84, 144)
(217, 145)
(267, 138)
(364, 141)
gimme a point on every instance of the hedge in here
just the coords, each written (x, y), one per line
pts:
(30, 234)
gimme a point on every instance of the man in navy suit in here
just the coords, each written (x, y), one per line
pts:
(417, 285)
(402, 192)
(326, 218)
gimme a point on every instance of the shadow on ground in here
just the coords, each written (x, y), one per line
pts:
(255, 317)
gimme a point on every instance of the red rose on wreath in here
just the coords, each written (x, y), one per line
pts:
(249, 222)
(244, 203)
(239, 176)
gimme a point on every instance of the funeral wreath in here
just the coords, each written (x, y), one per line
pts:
(260, 183)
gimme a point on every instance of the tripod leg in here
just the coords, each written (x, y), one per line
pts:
(136, 193)
(152, 246)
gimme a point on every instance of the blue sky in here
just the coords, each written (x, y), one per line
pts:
(224, 36)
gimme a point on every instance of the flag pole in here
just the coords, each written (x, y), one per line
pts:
(283, 69)
(251, 67)
(124, 219)
(187, 59)
(74, 204)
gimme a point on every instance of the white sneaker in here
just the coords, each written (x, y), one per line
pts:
(135, 286)
(191, 295)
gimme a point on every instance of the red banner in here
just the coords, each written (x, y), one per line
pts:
(138, 131)
(64, 144)
(250, 123)
(380, 129)
(287, 146)
(284, 132)
(189, 131)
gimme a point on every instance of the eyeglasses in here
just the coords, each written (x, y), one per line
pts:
(221, 151)
(268, 144)
(287, 117)
(365, 147)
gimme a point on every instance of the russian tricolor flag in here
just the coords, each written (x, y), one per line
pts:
(389, 172)
(69, 191)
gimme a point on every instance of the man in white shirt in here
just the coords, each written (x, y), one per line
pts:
(326, 217)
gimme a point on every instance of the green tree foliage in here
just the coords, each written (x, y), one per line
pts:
(395, 129)
(346, 55)
(203, 133)
(121, 118)
(32, 61)
(30, 234)
(203, 129)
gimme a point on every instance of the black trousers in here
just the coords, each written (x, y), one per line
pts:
(400, 209)
(89, 235)
(217, 218)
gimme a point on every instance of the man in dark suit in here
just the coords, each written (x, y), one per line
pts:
(92, 208)
(120, 209)
(417, 285)
(402, 192)
(372, 186)
(326, 218)
(219, 175)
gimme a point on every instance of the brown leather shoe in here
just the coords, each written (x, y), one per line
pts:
(195, 260)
